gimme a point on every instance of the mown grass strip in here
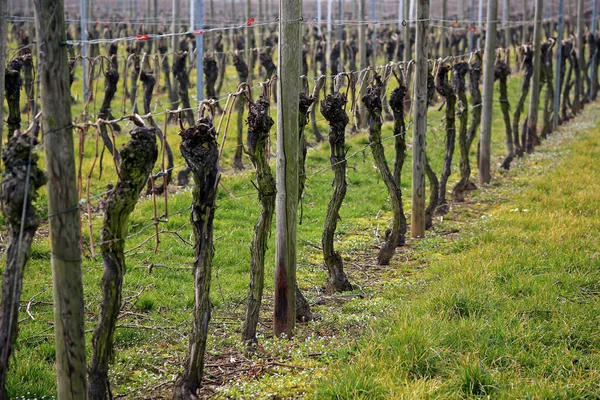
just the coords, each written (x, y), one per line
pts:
(511, 309)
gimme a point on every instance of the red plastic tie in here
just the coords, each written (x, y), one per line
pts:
(143, 37)
(250, 21)
(199, 32)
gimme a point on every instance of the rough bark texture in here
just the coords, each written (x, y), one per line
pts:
(434, 184)
(313, 113)
(63, 210)
(149, 81)
(242, 70)
(397, 106)
(259, 126)
(12, 90)
(526, 53)
(460, 71)
(305, 103)
(445, 89)
(137, 159)
(434, 189)
(303, 312)
(199, 148)
(394, 235)
(502, 71)
(183, 84)
(548, 80)
(334, 58)
(465, 141)
(211, 74)
(14, 187)
(111, 79)
(332, 108)
(222, 57)
(27, 60)
(133, 76)
(170, 85)
(565, 79)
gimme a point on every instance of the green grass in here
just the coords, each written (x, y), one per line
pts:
(151, 341)
(510, 309)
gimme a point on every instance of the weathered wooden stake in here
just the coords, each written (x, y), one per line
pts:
(578, 101)
(63, 208)
(417, 227)
(288, 88)
(534, 98)
(489, 58)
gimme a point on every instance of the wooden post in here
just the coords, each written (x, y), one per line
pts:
(63, 208)
(340, 33)
(329, 36)
(249, 41)
(577, 101)
(488, 93)
(84, 72)
(199, 22)
(471, 22)
(444, 39)
(417, 223)
(505, 19)
(593, 73)
(362, 53)
(480, 22)
(176, 5)
(534, 93)
(561, 9)
(319, 16)
(406, 34)
(288, 88)
(374, 34)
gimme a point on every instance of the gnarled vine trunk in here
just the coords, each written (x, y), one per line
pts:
(242, 70)
(445, 89)
(373, 104)
(137, 159)
(183, 84)
(460, 71)
(15, 186)
(332, 108)
(259, 125)
(199, 148)
(149, 81)
(111, 79)
(12, 90)
(526, 53)
(501, 73)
